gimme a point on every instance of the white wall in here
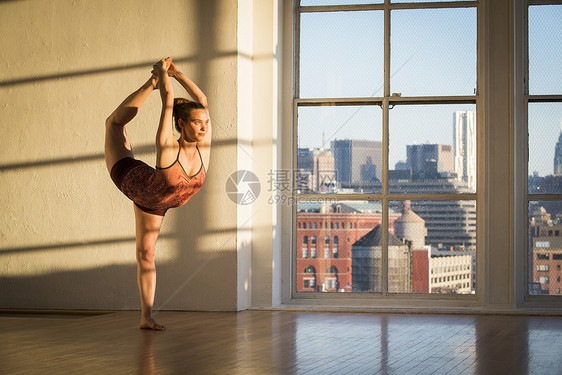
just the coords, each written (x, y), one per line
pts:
(66, 232)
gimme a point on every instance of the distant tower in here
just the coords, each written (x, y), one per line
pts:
(419, 155)
(411, 227)
(464, 133)
(558, 154)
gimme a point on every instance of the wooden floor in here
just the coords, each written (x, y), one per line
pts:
(281, 342)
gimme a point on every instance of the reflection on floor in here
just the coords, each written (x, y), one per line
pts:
(282, 342)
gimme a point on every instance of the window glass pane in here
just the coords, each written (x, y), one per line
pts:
(339, 149)
(432, 247)
(336, 273)
(433, 52)
(545, 49)
(341, 54)
(545, 148)
(338, 2)
(432, 149)
(545, 247)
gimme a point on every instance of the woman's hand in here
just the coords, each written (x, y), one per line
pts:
(172, 70)
(161, 66)
(154, 80)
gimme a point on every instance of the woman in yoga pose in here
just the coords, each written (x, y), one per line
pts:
(181, 166)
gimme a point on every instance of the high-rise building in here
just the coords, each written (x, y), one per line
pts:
(315, 170)
(558, 154)
(451, 272)
(450, 224)
(547, 260)
(357, 161)
(464, 134)
(418, 157)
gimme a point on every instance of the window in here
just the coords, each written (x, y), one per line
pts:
(542, 103)
(309, 277)
(542, 268)
(363, 99)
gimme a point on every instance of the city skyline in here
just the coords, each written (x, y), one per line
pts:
(542, 140)
(357, 163)
(416, 69)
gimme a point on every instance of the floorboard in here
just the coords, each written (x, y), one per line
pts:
(281, 342)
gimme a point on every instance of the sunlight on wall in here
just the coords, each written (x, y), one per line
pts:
(62, 218)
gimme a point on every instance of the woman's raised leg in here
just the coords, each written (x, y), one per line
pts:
(117, 145)
(147, 230)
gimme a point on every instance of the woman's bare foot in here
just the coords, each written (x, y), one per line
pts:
(150, 323)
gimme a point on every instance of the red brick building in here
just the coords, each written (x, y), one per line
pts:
(323, 248)
(547, 259)
(420, 271)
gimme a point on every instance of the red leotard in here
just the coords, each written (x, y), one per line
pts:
(156, 190)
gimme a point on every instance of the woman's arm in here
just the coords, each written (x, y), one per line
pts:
(189, 86)
(197, 95)
(165, 141)
(131, 105)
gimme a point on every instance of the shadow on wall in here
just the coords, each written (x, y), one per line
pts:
(138, 150)
(211, 273)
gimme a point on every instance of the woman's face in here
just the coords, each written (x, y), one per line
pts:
(195, 128)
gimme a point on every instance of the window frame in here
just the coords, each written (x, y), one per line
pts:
(386, 101)
(522, 197)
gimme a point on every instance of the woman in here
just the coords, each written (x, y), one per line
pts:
(180, 166)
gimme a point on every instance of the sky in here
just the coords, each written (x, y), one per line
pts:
(433, 53)
(545, 78)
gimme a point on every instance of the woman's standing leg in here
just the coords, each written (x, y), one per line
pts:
(147, 230)
(117, 147)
